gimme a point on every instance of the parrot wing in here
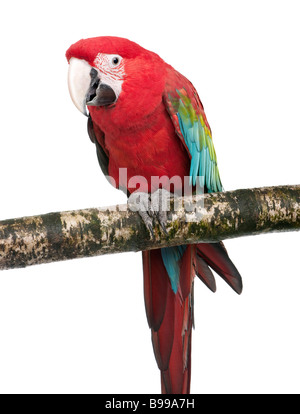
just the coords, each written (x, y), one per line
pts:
(186, 111)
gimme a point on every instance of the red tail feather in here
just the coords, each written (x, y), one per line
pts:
(205, 274)
(171, 326)
(216, 256)
(155, 287)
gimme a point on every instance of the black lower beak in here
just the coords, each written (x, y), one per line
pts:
(99, 94)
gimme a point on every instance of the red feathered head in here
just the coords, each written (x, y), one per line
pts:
(88, 49)
(115, 73)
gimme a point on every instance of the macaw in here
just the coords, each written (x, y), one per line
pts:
(146, 117)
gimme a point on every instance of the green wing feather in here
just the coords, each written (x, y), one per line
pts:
(187, 113)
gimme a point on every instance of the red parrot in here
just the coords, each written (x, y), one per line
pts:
(147, 118)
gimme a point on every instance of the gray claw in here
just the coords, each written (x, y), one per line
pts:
(162, 219)
(148, 221)
(149, 211)
(160, 202)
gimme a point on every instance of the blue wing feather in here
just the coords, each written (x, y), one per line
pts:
(171, 257)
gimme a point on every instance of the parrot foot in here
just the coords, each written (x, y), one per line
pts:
(151, 207)
(160, 202)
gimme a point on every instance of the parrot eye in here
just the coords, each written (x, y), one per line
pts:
(115, 61)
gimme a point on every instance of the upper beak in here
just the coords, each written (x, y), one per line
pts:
(79, 81)
(85, 86)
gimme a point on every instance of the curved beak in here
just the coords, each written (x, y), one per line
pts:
(79, 81)
(85, 86)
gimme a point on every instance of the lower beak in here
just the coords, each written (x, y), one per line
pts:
(99, 94)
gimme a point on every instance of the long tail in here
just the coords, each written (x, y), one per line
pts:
(170, 312)
(170, 317)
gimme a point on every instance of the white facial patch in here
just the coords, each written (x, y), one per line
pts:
(111, 70)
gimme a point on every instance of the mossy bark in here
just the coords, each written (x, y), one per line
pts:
(90, 232)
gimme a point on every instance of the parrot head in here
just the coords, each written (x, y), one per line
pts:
(113, 72)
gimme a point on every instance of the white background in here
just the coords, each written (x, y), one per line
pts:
(80, 326)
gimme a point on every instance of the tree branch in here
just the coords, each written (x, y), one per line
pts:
(96, 231)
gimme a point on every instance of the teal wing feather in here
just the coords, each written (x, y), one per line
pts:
(171, 257)
(187, 113)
